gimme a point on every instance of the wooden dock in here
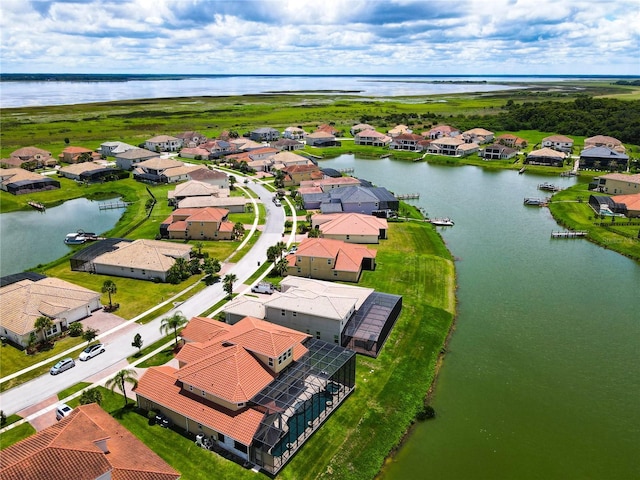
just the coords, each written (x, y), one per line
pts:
(347, 170)
(568, 234)
(408, 196)
(113, 205)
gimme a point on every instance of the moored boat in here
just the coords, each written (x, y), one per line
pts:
(441, 222)
(75, 238)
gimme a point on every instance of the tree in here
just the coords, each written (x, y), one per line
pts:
(43, 324)
(198, 246)
(227, 283)
(31, 342)
(280, 268)
(211, 266)
(75, 329)
(313, 233)
(278, 179)
(174, 322)
(137, 341)
(232, 182)
(120, 380)
(109, 287)
(92, 395)
(90, 334)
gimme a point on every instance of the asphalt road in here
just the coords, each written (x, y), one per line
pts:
(118, 344)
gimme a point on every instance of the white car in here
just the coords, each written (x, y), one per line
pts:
(91, 351)
(62, 365)
(63, 411)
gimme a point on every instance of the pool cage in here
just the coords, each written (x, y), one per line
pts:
(299, 401)
(369, 328)
(82, 260)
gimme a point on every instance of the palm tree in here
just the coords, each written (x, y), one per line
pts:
(227, 283)
(174, 322)
(280, 267)
(238, 230)
(109, 287)
(120, 380)
(43, 324)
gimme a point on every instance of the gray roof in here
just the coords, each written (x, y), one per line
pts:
(136, 154)
(603, 152)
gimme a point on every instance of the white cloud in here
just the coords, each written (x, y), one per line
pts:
(308, 36)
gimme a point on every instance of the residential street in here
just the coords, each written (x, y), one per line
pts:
(42, 391)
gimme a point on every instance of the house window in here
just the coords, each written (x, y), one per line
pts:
(335, 339)
(191, 388)
(241, 404)
(52, 330)
(282, 312)
(279, 360)
(240, 447)
(221, 437)
(204, 394)
(144, 272)
(328, 261)
(335, 274)
(295, 314)
(299, 270)
(270, 362)
(318, 335)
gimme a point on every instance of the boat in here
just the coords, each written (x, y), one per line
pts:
(75, 238)
(441, 222)
(549, 187)
(80, 237)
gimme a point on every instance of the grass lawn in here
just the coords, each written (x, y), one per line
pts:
(570, 208)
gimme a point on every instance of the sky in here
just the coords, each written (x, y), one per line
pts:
(453, 37)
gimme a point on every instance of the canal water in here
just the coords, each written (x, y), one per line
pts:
(541, 378)
(30, 238)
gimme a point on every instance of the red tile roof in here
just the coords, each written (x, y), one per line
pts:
(73, 449)
(348, 257)
(161, 386)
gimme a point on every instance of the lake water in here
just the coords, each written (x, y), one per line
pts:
(29, 238)
(541, 379)
(39, 93)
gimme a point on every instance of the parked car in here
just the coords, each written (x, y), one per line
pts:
(62, 365)
(91, 351)
(262, 287)
(63, 411)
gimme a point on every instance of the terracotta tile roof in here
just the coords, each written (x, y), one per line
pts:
(350, 224)
(448, 141)
(557, 139)
(546, 152)
(78, 168)
(11, 175)
(160, 385)
(478, 131)
(348, 257)
(301, 168)
(73, 449)
(264, 338)
(29, 152)
(160, 163)
(635, 178)
(73, 149)
(632, 201)
(600, 140)
(23, 302)
(203, 329)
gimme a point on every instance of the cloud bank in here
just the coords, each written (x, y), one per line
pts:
(464, 37)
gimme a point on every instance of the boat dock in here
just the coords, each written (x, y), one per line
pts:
(536, 201)
(568, 234)
(113, 205)
(347, 170)
(549, 187)
(37, 206)
(408, 196)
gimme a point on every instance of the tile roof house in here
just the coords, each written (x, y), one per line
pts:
(618, 183)
(327, 184)
(351, 227)
(409, 141)
(440, 131)
(195, 188)
(355, 317)
(233, 204)
(603, 158)
(74, 171)
(141, 259)
(477, 135)
(194, 152)
(191, 139)
(511, 141)
(26, 300)
(558, 142)
(399, 130)
(360, 127)
(254, 388)
(546, 156)
(294, 133)
(631, 202)
(87, 444)
(129, 158)
(33, 157)
(352, 199)
(605, 141)
(163, 143)
(295, 174)
(496, 151)
(153, 170)
(19, 181)
(78, 154)
(197, 224)
(287, 144)
(446, 146)
(330, 129)
(320, 138)
(372, 138)
(327, 259)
